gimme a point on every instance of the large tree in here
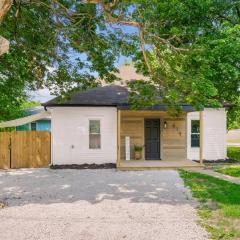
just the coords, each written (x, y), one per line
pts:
(190, 50)
(59, 45)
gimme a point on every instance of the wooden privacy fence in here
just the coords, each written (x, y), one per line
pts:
(25, 149)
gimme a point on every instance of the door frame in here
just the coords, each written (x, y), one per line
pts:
(144, 127)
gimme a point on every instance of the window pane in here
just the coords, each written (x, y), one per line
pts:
(94, 134)
(33, 126)
(94, 126)
(195, 140)
(195, 126)
(94, 141)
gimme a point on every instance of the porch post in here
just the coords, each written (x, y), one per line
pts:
(118, 136)
(201, 137)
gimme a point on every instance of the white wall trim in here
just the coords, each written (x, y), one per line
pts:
(71, 127)
(214, 134)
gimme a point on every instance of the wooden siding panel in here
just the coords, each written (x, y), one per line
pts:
(173, 138)
(134, 129)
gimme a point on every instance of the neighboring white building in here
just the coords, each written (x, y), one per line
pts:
(233, 137)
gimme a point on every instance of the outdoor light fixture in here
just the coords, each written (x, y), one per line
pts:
(165, 124)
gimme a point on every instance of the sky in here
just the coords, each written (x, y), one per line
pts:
(44, 95)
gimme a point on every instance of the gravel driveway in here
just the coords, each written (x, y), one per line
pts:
(96, 204)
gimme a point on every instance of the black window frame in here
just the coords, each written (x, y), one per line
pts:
(195, 136)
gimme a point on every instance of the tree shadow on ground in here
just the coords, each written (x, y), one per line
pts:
(46, 186)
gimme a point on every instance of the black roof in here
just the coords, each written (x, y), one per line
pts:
(100, 96)
(111, 95)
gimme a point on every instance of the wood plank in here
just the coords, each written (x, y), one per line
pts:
(172, 138)
(30, 149)
(119, 149)
(5, 142)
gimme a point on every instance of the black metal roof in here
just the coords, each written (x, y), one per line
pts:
(111, 95)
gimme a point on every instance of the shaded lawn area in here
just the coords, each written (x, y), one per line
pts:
(220, 204)
(234, 153)
(233, 171)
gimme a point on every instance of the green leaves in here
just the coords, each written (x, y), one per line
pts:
(189, 50)
(62, 45)
(195, 53)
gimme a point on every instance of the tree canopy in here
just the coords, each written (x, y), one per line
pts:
(190, 49)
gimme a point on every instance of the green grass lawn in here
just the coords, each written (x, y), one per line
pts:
(219, 204)
(234, 153)
(229, 170)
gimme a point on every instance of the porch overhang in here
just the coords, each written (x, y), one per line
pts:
(160, 107)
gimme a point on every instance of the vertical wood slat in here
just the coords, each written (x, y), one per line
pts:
(29, 149)
(5, 141)
(118, 137)
(33, 150)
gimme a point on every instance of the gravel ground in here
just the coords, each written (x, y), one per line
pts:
(96, 205)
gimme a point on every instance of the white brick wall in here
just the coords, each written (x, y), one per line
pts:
(214, 134)
(70, 128)
(70, 135)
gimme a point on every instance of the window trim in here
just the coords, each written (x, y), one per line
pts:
(195, 133)
(100, 133)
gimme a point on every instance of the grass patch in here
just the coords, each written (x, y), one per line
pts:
(234, 153)
(229, 170)
(220, 204)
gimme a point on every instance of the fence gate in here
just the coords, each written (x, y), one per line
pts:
(25, 149)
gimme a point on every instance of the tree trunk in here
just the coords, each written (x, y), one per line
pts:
(4, 7)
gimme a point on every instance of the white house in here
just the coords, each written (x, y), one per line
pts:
(98, 126)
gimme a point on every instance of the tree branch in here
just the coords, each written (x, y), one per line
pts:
(4, 7)
(112, 20)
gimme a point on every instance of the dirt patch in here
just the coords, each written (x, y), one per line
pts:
(2, 205)
(85, 166)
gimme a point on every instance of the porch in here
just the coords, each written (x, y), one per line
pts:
(162, 140)
(157, 164)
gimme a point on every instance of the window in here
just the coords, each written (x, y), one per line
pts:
(94, 134)
(195, 133)
(33, 126)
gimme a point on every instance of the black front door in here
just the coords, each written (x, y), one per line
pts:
(152, 139)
